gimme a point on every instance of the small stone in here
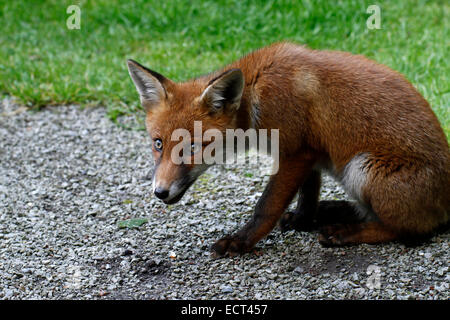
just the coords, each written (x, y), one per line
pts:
(127, 252)
(8, 293)
(441, 271)
(226, 289)
(299, 270)
(103, 293)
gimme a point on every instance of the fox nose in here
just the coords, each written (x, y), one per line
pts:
(161, 193)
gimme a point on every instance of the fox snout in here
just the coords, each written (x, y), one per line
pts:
(161, 193)
(172, 190)
(169, 193)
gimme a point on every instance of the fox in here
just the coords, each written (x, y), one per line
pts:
(344, 114)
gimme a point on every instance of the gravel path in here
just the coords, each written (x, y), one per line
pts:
(69, 176)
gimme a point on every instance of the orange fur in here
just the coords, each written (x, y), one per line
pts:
(360, 120)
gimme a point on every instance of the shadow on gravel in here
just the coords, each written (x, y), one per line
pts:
(146, 270)
(336, 262)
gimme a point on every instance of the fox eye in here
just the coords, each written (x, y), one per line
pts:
(158, 144)
(195, 147)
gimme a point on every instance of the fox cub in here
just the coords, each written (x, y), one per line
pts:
(360, 121)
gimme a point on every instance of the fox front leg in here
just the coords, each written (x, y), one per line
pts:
(279, 192)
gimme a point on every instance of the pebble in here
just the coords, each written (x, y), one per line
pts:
(299, 270)
(226, 289)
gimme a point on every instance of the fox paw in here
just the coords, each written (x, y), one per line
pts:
(332, 236)
(295, 221)
(230, 246)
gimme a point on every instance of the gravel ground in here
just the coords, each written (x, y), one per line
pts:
(69, 176)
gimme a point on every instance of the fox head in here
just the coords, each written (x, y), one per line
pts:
(170, 106)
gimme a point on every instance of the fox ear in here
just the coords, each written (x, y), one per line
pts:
(149, 84)
(225, 90)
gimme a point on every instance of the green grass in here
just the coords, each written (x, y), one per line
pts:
(44, 63)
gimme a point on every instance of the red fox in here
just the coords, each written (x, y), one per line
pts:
(362, 122)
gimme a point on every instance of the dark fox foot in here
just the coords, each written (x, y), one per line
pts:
(336, 235)
(353, 234)
(296, 221)
(229, 246)
(331, 236)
